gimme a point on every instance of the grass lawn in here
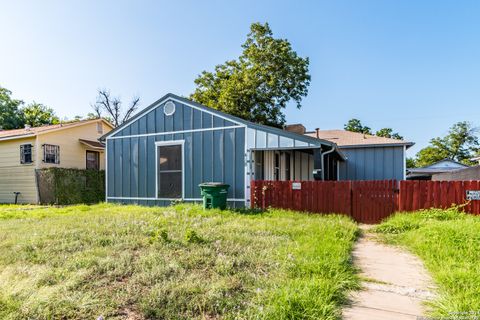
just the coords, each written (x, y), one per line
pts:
(449, 244)
(179, 262)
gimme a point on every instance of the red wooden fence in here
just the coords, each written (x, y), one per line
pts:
(327, 196)
(415, 195)
(373, 201)
(364, 201)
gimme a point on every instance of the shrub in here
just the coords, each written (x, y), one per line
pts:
(192, 237)
(70, 186)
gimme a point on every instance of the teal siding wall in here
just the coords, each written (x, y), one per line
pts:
(184, 118)
(210, 155)
(373, 163)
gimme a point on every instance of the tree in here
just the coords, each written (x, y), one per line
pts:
(411, 162)
(9, 110)
(388, 133)
(460, 144)
(355, 125)
(258, 85)
(113, 108)
(36, 114)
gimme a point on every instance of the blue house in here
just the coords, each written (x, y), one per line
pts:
(165, 151)
(369, 157)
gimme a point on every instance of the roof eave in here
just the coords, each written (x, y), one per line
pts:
(372, 145)
(23, 136)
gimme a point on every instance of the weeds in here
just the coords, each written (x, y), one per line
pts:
(179, 262)
(448, 241)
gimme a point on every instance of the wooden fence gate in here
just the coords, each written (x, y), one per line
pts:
(372, 201)
(364, 201)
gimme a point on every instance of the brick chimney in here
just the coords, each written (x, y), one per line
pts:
(296, 128)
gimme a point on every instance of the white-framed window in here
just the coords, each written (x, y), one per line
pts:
(170, 169)
(51, 153)
(26, 153)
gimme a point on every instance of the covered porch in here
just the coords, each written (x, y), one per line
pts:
(305, 164)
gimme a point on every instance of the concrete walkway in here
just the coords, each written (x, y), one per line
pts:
(395, 283)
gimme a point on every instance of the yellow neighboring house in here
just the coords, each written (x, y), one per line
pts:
(65, 145)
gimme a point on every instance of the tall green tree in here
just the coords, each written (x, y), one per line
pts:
(259, 84)
(460, 144)
(355, 125)
(388, 133)
(36, 114)
(10, 115)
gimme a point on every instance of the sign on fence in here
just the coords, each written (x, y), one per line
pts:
(473, 195)
(296, 186)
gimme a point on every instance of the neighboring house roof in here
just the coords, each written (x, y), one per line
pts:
(34, 131)
(92, 144)
(344, 139)
(444, 165)
(227, 116)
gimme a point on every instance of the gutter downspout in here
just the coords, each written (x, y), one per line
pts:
(323, 161)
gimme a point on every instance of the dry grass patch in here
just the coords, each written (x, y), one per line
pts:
(172, 263)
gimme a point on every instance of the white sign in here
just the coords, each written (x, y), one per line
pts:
(473, 195)
(296, 186)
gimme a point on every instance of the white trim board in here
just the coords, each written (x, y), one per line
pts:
(106, 172)
(173, 132)
(165, 199)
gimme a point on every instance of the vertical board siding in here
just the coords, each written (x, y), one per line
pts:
(240, 159)
(184, 118)
(209, 156)
(197, 165)
(134, 171)
(126, 168)
(116, 169)
(218, 156)
(373, 163)
(229, 152)
(110, 164)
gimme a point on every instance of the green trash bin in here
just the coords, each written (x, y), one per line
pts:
(214, 195)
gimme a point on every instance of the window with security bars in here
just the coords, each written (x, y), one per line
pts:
(26, 154)
(169, 171)
(51, 153)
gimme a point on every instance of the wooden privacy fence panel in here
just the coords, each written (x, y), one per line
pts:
(364, 201)
(314, 196)
(373, 201)
(416, 195)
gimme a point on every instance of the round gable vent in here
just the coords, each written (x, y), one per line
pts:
(169, 108)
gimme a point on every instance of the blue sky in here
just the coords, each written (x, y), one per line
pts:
(410, 65)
